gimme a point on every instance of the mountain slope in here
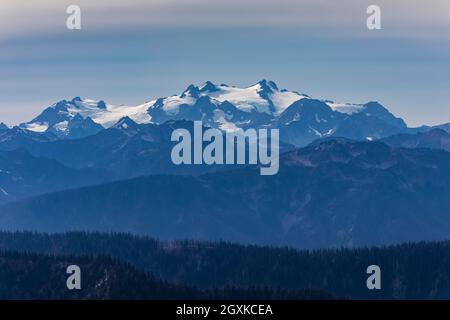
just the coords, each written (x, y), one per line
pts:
(445, 127)
(38, 277)
(336, 193)
(23, 175)
(125, 150)
(65, 121)
(17, 138)
(209, 264)
(27, 276)
(78, 118)
(433, 139)
(309, 119)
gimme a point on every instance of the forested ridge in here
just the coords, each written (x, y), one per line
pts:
(30, 276)
(409, 271)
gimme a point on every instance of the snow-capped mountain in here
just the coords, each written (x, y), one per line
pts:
(3, 126)
(301, 117)
(218, 105)
(77, 118)
(127, 126)
(263, 97)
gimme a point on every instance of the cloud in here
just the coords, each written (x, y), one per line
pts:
(402, 17)
(149, 48)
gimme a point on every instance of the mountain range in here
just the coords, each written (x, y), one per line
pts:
(125, 150)
(330, 194)
(350, 174)
(432, 139)
(22, 175)
(300, 118)
(3, 127)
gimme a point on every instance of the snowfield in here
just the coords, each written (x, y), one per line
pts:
(263, 97)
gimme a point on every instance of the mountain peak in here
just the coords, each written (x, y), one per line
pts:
(209, 87)
(259, 105)
(445, 127)
(125, 120)
(127, 125)
(101, 104)
(3, 126)
(78, 117)
(437, 132)
(268, 85)
(373, 104)
(435, 138)
(374, 108)
(60, 105)
(192, 91)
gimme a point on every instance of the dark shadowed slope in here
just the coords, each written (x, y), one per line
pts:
(40, 277)
(336, 193)
(408, 271)
(23, 175)
(433, 139)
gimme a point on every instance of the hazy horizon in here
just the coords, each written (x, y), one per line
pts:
(145, 50)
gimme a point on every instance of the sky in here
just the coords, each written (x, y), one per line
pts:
(129, 54)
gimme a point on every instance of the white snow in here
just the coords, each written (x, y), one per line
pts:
(37, 127)
(245, 99)
(224, 124)
(171, 104)
(316, 131)
(62, 126)
(4, 191)
(248, 99)
(347, 108)
(109, 116)
(329, 132)
(282, 100)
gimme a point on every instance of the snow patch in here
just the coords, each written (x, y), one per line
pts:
(329, 132)
(346, 108)
(316, 131)
(62, 126)
(320, 120)
(4, 191)
(246, 99)
(224, 124)
(37, 127)
(171, 104)
(283, 99)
